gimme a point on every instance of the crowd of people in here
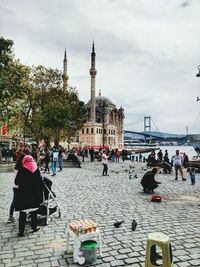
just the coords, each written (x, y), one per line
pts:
(30, 161)
(178, 161)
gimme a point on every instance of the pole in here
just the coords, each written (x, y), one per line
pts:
(103, 121)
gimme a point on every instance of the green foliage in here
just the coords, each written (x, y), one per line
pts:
(34, 99)
(5, 52)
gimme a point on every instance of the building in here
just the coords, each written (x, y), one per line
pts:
(105, 123)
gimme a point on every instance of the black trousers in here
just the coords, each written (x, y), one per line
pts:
(105, 169)
(22, 220)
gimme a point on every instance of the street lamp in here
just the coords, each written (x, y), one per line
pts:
(198, 74)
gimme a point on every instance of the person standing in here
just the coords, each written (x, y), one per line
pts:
(192, 173)
(54, 157)
(18, 166)
(92, 154)
(185, 160)
(177, 161)
(47, 160)
(29, 193)
(166, 157)
(104, 161)
(117, 155)
(160, 155)
(60, 158)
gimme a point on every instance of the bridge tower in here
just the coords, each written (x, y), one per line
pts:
(147, 124)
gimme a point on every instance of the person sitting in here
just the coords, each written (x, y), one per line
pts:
(29, 193)
(148, 182)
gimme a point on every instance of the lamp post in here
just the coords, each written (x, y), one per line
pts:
(198, 75)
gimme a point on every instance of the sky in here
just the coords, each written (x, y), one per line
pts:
(147, 53)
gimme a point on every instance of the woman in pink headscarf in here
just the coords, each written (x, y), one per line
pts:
(29, 193)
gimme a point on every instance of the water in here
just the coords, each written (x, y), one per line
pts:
(189, 150)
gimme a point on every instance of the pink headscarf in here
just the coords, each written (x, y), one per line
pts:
(29, 163)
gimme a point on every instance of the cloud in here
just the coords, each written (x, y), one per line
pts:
(146, 51)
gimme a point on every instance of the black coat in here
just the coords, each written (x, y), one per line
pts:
(148, 180)
(30, 191)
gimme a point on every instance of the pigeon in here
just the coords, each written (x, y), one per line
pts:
(117, 224)
(134, 225)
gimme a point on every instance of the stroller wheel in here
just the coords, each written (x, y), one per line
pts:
(46, 221)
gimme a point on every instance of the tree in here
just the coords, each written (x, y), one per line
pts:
(64, 114)
(13, 80)
(78, 114)
(41, 81)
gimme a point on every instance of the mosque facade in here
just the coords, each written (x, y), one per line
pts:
(104, 125)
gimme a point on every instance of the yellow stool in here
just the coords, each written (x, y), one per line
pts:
(162, 241)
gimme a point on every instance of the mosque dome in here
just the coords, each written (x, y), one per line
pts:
(100, 100)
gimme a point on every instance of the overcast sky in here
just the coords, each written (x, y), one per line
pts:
(147, 52)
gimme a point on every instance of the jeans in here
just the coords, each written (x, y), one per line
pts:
(53, 167)
(60, 162)
(12, 206)
(105, 169)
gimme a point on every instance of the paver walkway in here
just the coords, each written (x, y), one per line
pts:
(84, 193)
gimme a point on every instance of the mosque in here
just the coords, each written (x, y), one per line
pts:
(105, 123)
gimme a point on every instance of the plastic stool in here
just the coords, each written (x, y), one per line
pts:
(162, 241)
(78, 239)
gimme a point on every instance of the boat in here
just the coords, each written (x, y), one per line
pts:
(194, 140)
(137, 143)
(194, 162)
(140, 150)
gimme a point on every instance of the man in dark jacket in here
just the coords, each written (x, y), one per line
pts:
(29, 193)
(148, 182)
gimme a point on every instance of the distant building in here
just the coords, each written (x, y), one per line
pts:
(105, 123)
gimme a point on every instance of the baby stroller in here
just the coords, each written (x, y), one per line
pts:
(49, 205)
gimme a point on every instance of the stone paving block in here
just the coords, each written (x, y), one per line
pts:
(131, 260)
(44, 264)
(108, 259)
(117, 263)
(121, 257)
(195, 256)
(183, 264)
(195, 262)
(180, 252)
(125, 251)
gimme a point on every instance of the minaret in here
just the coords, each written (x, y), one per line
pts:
(93, 73)
(65, 76)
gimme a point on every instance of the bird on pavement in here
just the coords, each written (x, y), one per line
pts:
(134, 225)
(117, 224)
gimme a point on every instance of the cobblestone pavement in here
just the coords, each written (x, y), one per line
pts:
(107, 199)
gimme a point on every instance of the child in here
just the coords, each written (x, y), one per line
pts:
(192, 175)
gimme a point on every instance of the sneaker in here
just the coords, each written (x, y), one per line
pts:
(36, 229)
(11, 220)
